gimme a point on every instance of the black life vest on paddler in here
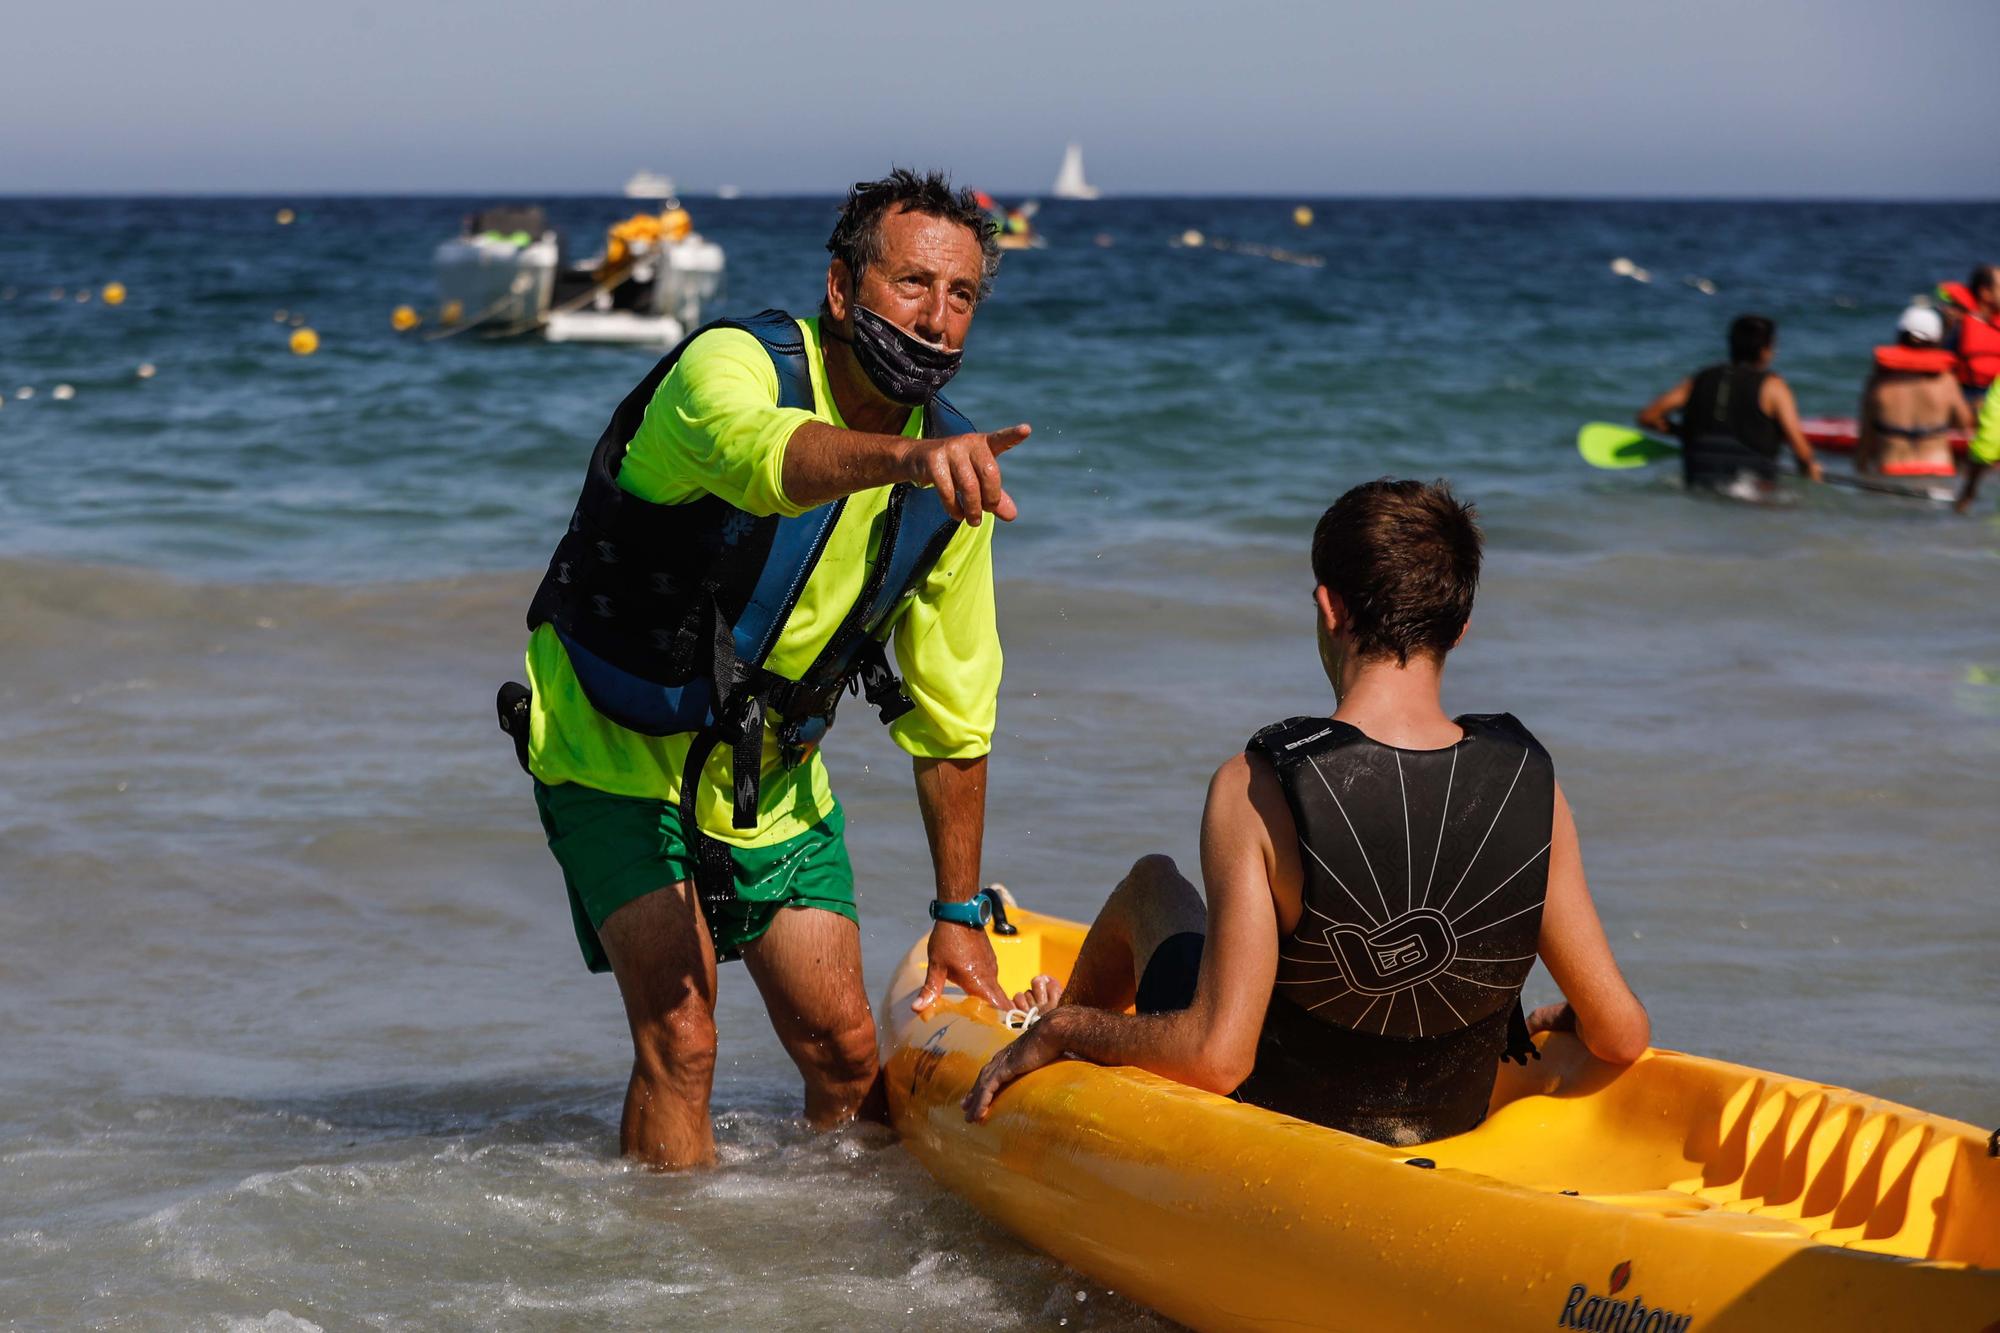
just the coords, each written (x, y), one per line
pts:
(668, 612)
(1723, 431)
(1425, 871)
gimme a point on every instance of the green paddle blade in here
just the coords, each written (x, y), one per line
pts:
(1603, 444)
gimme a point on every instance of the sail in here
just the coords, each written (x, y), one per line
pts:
(1070, 183)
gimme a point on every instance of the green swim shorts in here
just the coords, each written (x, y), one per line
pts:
(613, 849)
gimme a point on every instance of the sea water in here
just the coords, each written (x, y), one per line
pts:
(293, 1029)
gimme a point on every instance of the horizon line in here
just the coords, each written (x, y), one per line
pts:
(1136, 196)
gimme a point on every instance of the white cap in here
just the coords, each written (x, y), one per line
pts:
(1921, 324)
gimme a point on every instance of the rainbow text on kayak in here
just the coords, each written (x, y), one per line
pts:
(1608, 1314)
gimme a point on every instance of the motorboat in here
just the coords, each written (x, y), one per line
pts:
(649, 185)
(508, 274)
(1070, 183)
(500, 269)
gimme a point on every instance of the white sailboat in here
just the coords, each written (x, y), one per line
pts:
(1070, 183)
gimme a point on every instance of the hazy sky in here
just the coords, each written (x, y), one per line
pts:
(1896, 98)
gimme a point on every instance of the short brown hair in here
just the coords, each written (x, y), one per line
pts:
(1404, 557)
(857, 234)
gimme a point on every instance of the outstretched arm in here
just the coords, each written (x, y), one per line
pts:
(1600, 1008)
(823, 463)
(1213, 1042)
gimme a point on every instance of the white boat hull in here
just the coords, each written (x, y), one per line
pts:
(495, 283)
(614, 326)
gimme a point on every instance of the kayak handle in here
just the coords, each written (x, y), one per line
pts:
(1001, 925)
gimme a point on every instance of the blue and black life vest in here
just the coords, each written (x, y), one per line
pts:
(1398, 991)
(668, 612)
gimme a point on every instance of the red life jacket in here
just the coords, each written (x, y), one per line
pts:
(1978, 351)
(1915, 360)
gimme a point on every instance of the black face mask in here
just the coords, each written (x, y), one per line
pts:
(902, 366)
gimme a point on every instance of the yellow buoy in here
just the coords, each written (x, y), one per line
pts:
(1303, 216)
(305, 342)
(404, 319)
(147, 370)
(285, 217)
(453, 312)
(114, 293)
(1192, 238)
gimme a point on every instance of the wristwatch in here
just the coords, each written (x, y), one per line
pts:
(974, 912)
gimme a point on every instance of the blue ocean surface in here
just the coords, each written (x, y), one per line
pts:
(1202, 393)
(296, 1030)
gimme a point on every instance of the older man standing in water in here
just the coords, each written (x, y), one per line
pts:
(779, 500)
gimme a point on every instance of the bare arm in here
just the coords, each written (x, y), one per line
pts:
(1868, 440)
(1213, 1042)
(951, 793)
(1599, 1007)
(1959, 410)
(823, 463)
(1654, 415)
(1779, 404)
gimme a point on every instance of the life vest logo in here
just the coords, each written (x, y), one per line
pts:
(736, 527)
(1396, 955)
(1607, 1314)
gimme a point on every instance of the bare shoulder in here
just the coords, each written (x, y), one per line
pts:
(1246, 793)
(1246, 778)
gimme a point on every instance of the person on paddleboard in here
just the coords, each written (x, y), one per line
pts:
(1735, 416)
(1911, 403)
(779, 501)
(1379, 882)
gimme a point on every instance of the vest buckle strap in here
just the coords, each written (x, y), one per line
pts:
(879, 683)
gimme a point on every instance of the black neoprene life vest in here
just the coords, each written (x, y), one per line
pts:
(1425, 873)
(668, 611)
(1723, 431)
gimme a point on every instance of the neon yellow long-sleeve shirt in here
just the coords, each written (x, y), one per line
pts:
(713, 426)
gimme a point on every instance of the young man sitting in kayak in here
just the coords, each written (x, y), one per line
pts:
(1912, 403)
(1379, 882)
(1735, 416)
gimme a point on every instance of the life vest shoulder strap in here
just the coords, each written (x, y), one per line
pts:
(1285, 745)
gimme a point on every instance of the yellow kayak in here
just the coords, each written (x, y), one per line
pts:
(1678, 1193)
